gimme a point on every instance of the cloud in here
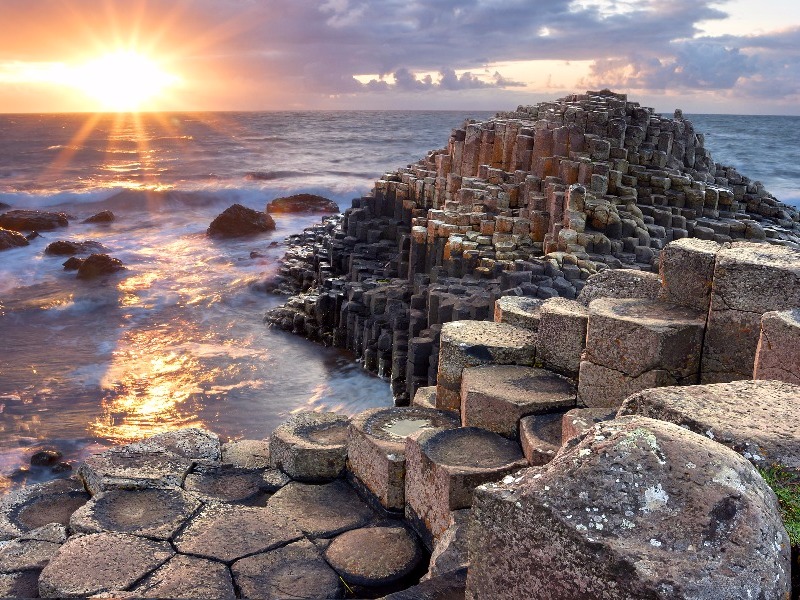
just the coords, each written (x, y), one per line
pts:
(276, 51)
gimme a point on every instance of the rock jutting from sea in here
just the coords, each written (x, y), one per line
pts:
(531, 203)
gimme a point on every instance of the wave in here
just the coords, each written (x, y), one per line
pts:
(272, 175)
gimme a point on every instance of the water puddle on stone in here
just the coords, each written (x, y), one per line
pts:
(404, 427)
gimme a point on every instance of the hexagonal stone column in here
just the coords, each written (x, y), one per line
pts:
(562, 335)
(376, 448)
(638, 508)
(633, 344)
(620, 283)
(443, 468)
(187, 577)
(496, 397)
(35, 506)
(425, 397)
(310, 446)
(519, 311)
(472, 343)
(540, 437)
(749, 280)
(756, 418)
(778, 350)
(687, 269)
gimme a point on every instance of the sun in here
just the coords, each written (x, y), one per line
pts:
(123, 81)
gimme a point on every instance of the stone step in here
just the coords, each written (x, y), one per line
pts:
(562, 335)
(496, 397)
(310, 446)
(443, 468)
(519, 311)
(472, 343)
(376, 448)
(634, 344)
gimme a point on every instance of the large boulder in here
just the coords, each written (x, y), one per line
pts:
(238, 220)
(636, 508)
(104, 216)
(33, 220)
(97, 265)
(11, 239)
(302, 203)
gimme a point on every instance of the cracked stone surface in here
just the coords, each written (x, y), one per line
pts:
(626, 512)
(374, 556)
(126, 468)
(227, 485)
(293, 571)
(187, 577)
(34, 506)
(246, 454)
(778, 350)
(601, 387)
(226, 532)
(755, 418)
(153, 513)
(100, 562)
(321, 510)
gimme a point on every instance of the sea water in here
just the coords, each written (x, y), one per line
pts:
(177, 339)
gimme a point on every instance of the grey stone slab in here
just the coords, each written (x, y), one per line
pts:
(321, 510)
(187, 577)
(246, 454)
(25, 555)
(637, 508)
(376, 447)
(374, 556)
(310, 446)
(130, 468)
(496, 397)
(758, 419)
(35, 506)
(153, 513)
(292, 572)
(226, 532)
(222, 484)
(100, 562)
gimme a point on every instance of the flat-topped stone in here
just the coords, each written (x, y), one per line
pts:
(152, 513)
(540, 437)
(192, 442)
(187, 577)
(35, 506)
(101, 562)
(321, 510)
(749, 280)
(374, 556)
(519, 311)
(376, 447)
(226, 532)
(310, 446)
(246, 454)
(756, 418)
(620, 283)
(425, 397)
(778, 350)
(496, 397)
(443, 467)
(562, 335)
(222, 484)
(294, 571)
(472, 343)
(125, 468)
(686, 267)
(638, 508)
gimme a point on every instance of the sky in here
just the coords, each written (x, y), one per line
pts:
(704, 56)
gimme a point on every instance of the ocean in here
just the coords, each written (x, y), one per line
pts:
(177, 339)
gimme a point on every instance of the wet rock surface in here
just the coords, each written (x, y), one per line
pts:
(104, 216)
(32, 220)
(11, 239)
(238, 220)
(68, 248)
(98, 265)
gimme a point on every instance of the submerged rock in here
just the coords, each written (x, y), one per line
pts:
(33, 220)
(68, 248)
(73, 263)
(104, 216)
(97, 265)
(238, 220)
(302, 203)
(11, 239)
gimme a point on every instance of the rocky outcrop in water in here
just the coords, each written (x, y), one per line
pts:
(68, 248)
(299, 203)
(33, 220)
(104, 216)
(11, 239)
(98, 265)
(238, 220)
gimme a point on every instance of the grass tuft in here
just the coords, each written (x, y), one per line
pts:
(786, 486)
